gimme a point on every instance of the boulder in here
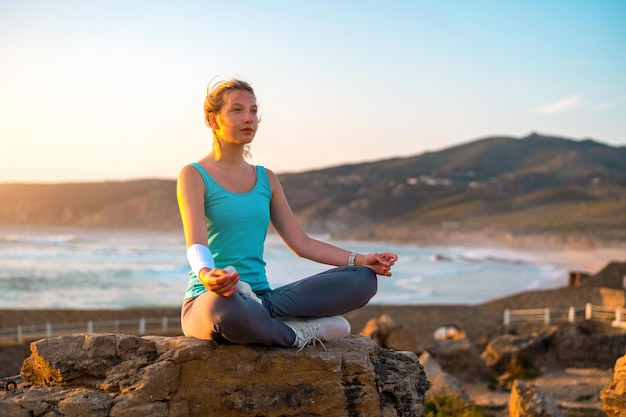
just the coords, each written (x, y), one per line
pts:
(502, 351)
(584, 344)
(387, 333)
(121, 375)
(378, 329)
(441, 383)
(460, 358)
(527, 401)
(613, 396)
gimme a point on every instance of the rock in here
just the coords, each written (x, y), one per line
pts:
(527, 401)
(378, 329)
(430, 365)
(461, 359)
(403, 338)
(504, 350)
(385, 332)
(122, 375)
(448, 333)
(441, 383)
(613, 396)
(584, 344)
(445, 384)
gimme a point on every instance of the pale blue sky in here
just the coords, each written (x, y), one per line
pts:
(108, 90)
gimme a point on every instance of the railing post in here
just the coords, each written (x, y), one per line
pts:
(116, 326)
(618, 316)
(142, 326)
(48, 330)
(164, 324)
(19, 333)
(571, 315)
(89, 327)
(546, 319)
(507, 317)
(588, 311)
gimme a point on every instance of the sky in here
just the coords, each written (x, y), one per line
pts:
(113, 90)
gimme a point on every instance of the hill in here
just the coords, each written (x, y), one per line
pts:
(505, 187)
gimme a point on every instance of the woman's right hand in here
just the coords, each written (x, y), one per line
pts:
(219, 281)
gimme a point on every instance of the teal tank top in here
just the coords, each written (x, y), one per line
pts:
(237, 226)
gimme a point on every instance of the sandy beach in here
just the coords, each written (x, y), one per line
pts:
(589, 260)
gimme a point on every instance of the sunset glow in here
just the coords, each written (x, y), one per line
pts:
(114, 90)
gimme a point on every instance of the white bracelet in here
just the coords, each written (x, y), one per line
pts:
(199, 256)
(352, 258)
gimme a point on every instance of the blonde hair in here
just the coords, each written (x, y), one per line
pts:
(214, 102)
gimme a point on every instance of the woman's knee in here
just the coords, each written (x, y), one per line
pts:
(208, 314)
(367, 282)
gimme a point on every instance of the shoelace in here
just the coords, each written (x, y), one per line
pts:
(313, 341)
(309, 337)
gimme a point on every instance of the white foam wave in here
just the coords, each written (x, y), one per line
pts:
(494, 257)
(40, 239)
(165, 268)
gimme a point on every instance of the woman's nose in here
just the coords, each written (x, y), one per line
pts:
(249, 117)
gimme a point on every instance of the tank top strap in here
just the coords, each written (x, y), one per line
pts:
(204, 174)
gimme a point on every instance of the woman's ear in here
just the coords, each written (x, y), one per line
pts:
(213, 121)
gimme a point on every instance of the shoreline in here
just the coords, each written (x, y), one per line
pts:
(589, 254)
(591, 260)
(587, 260)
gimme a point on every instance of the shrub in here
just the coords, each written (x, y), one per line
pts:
(451, 406)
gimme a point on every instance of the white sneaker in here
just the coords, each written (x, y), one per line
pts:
(322, 329)
(246, 291)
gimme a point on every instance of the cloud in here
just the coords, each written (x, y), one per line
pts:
(611, 103)
(559, 105)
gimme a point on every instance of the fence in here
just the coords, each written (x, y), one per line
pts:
(548, 316)
(139, 326)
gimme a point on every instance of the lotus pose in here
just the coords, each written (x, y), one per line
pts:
(226, 205)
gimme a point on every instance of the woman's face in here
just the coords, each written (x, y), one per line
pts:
(237, 121)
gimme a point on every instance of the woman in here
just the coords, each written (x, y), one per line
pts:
(226, 205)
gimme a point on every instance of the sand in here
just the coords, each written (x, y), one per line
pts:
(589, 260)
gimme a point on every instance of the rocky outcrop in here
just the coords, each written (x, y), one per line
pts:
(584, 344)
(581, 344)
(504, 350)
(441, 383)
(385, 332)
(378, 329)
(122, 375)
(460, 358)
(527, 401)
(613, 396)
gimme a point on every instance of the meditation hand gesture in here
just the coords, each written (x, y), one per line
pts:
(380, 263)
(220, 281)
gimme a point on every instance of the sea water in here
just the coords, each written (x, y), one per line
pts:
(97, 269)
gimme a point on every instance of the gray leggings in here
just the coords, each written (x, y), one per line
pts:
(239, 320)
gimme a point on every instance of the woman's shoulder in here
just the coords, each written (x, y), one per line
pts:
(271, 176)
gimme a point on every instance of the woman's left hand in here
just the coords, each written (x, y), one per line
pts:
(380, 263)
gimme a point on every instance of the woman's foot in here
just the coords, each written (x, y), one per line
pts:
(322, 329)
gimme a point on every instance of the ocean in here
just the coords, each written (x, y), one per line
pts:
(54, 268)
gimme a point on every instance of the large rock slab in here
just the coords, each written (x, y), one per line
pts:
(122, 375)
(613, 396)
(527, 401)
(506, 349)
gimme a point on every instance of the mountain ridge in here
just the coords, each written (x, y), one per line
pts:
(502, 185)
